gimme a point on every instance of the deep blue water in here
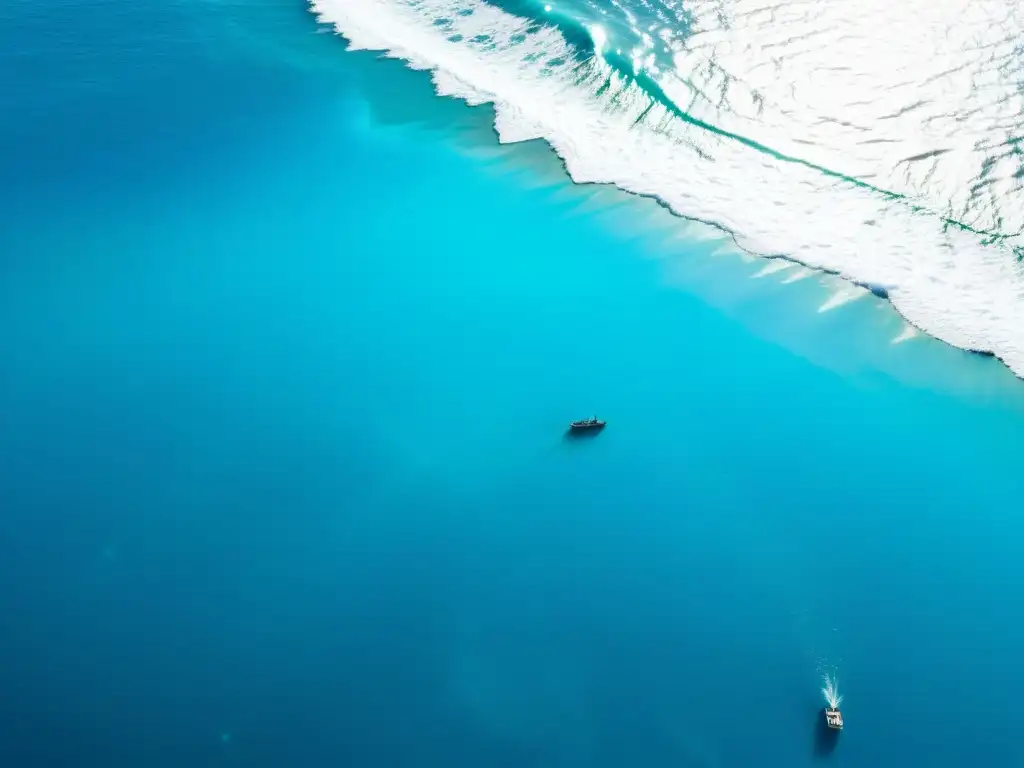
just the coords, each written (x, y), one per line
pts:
(282, 478)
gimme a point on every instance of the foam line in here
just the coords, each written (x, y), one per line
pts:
(955, 284)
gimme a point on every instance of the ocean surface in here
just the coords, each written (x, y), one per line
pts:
(290, 341)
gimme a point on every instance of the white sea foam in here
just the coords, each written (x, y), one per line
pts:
(908, 333)
(787, 76)
(800, 274)
(843, 296)
(773, 266)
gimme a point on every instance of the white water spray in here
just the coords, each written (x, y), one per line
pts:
(831, 691)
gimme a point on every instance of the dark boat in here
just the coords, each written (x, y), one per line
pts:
(587, 425)
(833, 718)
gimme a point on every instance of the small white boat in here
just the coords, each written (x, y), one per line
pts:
(833, 718)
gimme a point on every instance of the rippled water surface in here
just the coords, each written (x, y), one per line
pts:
(290, 345)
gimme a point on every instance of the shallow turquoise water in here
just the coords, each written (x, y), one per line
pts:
(289, 351)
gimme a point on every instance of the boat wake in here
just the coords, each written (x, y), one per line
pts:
(831, 692)
(876, 140)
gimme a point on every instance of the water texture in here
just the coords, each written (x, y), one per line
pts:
(872, 139)
(290, 343)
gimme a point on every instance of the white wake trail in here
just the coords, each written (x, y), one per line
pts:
(831, 692)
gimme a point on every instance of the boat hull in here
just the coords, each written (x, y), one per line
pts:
(833, 718)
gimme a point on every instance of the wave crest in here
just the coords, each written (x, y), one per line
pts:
(959, 286)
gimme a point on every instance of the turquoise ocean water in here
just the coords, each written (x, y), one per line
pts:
(289, 346)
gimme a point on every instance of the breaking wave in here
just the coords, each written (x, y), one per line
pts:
(877, 140)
